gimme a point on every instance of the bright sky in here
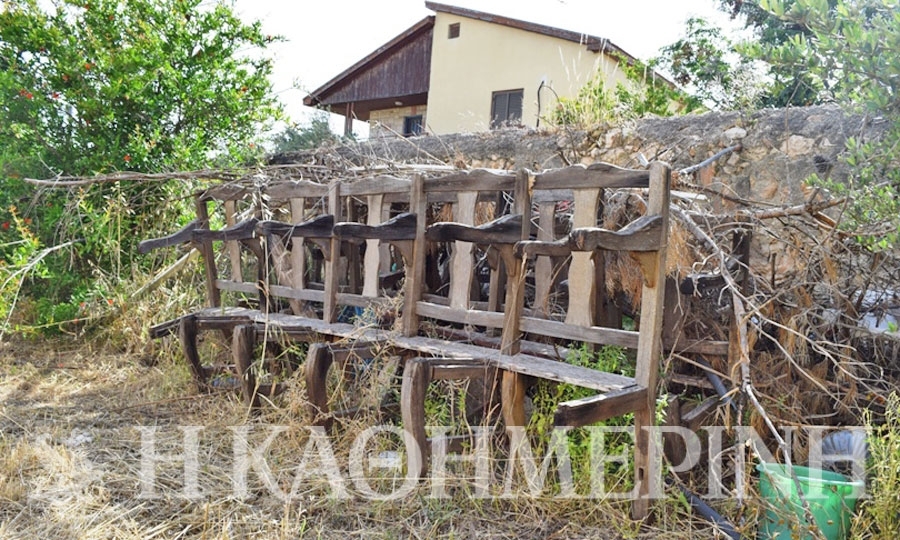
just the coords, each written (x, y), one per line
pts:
(324, 37)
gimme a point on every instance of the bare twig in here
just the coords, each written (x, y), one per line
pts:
(21, 273)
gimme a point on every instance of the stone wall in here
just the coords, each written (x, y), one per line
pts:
(781, 147)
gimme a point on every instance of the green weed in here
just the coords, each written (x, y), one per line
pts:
(878, 516)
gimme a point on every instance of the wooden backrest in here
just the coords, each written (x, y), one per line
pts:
(296, 261)
(582, 248)
(461, 192)
(362, 264)
(232, 206)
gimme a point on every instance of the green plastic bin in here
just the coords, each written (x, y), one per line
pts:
(831, 497)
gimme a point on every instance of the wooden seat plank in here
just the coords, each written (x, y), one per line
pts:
(554, 370)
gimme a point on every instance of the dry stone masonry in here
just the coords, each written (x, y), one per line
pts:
(781, 147)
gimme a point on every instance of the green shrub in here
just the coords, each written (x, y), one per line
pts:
(581, 446)
(878, 516)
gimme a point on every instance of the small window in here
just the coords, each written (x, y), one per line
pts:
(412, 125)
(453, 31)
(506, 108)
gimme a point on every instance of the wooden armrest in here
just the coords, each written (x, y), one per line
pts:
(240, 231)
(534, 248)
(642, 234)
(401, 227)
(586, 411)
(185, 234)
(504, 230)
(320, 227)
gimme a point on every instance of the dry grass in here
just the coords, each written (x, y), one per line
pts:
(72, 420)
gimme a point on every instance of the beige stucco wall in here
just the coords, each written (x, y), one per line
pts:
(487, 57)
(389, 122)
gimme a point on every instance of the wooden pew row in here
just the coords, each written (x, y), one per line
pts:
(584, 247)
(387, 221)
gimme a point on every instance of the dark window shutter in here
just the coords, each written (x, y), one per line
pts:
(499, 109)
(514, 112)
(506, 108)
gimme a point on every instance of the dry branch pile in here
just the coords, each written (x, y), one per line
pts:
(811, 317)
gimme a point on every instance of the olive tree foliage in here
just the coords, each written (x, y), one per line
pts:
(304, 136)
(788, 83)
(848, 48)
(97, 86)
(708, 65)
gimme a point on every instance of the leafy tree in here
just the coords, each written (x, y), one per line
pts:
(130, 84)
(97, 86)
(706, 63)
(790, 82)
(296, 137)
(850, 46)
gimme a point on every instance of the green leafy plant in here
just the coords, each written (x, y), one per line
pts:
(118, 85)
(581, 446)
(20, 248)
(787, 79)
(846, 48)
(644, 92)
(593, 104)
(709, 67)
(877, 516)
(304, 137)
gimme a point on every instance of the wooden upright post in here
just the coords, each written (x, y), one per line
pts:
(372, 263)
(512, 386)
(213, 297)
(333, 258)
(243, 344)
(650, 348)
(415, 268)
(582, 289)
(348, 120)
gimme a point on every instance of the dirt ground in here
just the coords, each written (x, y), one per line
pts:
(77, 425)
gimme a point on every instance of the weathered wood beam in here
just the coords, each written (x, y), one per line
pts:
(401, 227)
(585, 411)
(504, 230)
(183, 235)
(319, 227)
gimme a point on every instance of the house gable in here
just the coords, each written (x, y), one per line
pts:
(397, 72)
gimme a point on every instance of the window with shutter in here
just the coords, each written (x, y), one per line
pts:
(412, 125)
(506, 108)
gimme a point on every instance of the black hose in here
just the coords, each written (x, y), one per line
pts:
(717, 383)
(707, 513)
